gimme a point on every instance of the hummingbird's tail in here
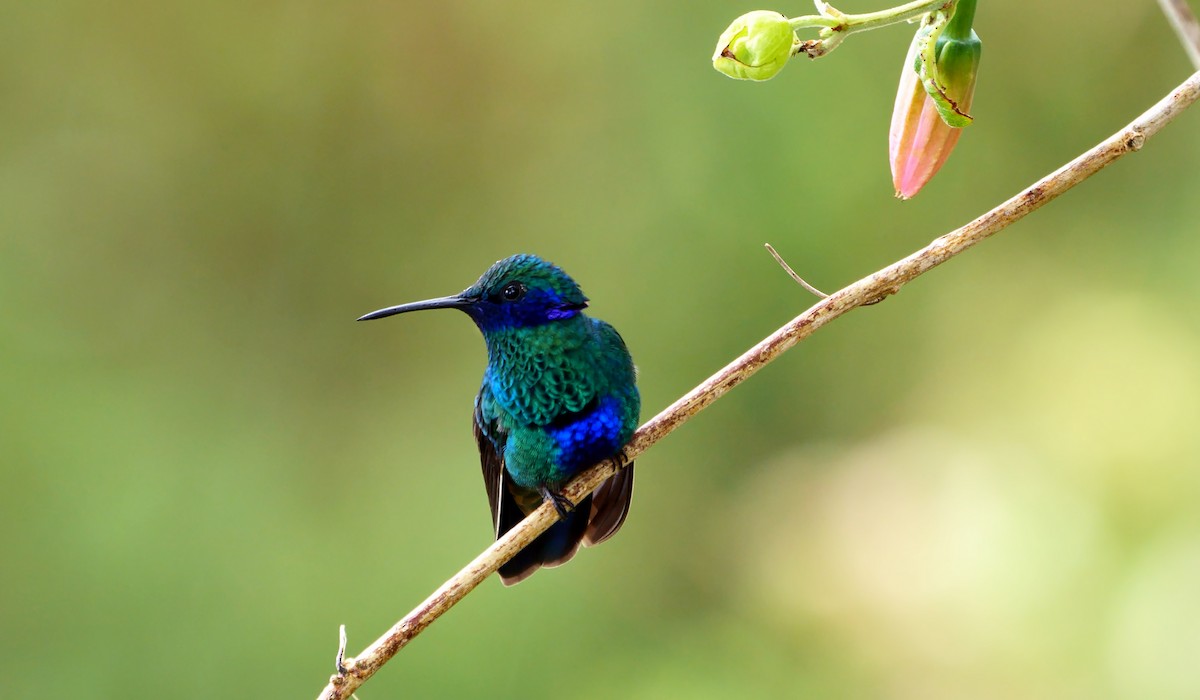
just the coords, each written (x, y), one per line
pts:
(553, 547)
(593, 520)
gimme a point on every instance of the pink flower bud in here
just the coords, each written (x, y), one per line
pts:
(920, 139)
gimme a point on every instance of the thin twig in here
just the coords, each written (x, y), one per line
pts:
(800, 280)
(788, 269)
(882, 283)
(1186, 26)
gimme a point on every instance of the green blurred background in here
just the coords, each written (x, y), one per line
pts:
(986, 487)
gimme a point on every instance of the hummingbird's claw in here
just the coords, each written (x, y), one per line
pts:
(561, 503)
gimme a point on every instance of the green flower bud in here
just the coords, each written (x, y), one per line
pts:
(755, 47)
(948, 63)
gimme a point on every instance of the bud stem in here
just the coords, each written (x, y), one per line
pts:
(960, 24)
(838, 22)
(835, 26)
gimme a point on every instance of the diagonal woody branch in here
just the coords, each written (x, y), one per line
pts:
(1184, 21)
(887, 281)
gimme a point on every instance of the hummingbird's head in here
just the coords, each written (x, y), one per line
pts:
(522, 291)
(517, 292)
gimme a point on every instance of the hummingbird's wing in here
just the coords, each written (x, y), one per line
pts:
(493, 470)
(491, 438)
(506, 512)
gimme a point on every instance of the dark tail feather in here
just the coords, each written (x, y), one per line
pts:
(561, 541)
(553, 547)
(610, 505)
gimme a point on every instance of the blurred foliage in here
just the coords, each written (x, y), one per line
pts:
(985, 487)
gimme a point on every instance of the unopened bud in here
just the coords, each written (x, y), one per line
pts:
(933, 104)
(755, 47)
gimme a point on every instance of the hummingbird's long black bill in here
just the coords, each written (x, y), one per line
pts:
(454, 302)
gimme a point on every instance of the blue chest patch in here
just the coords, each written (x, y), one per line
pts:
(590, 437)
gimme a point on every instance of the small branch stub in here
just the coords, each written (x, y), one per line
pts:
(339, 664)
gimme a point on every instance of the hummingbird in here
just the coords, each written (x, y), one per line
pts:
(558, 395)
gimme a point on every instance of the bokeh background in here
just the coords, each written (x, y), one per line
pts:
(985, 487)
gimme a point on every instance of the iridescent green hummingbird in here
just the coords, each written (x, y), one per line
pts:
(558, 395)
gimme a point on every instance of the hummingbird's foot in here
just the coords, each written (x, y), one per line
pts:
(620, 460)
(561, 503)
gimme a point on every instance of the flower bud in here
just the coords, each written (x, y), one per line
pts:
(932, 105)
(755, 47)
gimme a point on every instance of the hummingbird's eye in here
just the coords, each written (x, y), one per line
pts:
(512, 291)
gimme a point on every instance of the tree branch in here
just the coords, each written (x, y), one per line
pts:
(1186, 26)
(869, 289)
